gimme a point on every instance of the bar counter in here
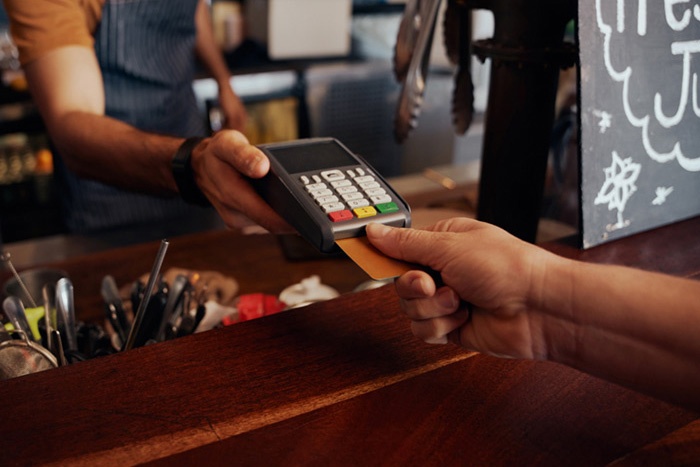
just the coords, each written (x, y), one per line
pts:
(340, 382)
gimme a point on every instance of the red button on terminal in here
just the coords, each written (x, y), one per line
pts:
(339, 216)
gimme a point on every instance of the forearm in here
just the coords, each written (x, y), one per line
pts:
(112, 152)
(632, 327)
(66, 86)
(206, 48)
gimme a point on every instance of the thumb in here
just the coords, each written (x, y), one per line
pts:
(414, 246)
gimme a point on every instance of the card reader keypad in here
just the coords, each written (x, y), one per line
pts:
(348, 194)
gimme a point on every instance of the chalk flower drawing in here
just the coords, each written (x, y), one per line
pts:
(662, 194)
(604, 120)
(618, 187)
(678, 19)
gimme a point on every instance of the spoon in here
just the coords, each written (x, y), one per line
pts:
(14, 310)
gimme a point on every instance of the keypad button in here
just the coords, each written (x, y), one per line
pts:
(322, 192)
(305, 180)
(364, 179)
(316, 178)
(346, 189)
(369, 185)
(375, 191)
(316, 186)
(332, 207)
(364, 212)
(327, 199)
(352, 196)
(358, 203)
(387, 207)
(380, 199)
(332, 175)
(339, 216)
(341, 183)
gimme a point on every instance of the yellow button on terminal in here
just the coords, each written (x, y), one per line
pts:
(367, 211)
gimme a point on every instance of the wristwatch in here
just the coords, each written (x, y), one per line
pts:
(183, 175)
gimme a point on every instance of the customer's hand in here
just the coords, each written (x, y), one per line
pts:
(480, 264)
(221, 164)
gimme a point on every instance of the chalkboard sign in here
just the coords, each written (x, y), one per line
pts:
(640, 115)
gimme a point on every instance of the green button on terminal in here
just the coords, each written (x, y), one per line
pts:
(385, 208)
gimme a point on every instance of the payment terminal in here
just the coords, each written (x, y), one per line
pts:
(327, 192)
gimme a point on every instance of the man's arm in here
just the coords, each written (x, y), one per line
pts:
(211, 57)
(66, 85)
(632, 327)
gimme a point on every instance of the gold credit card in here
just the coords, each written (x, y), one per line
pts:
(377, 265)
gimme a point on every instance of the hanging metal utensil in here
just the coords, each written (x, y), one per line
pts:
(411, 96)
(406, 39)
(458, 31)
(66, 311)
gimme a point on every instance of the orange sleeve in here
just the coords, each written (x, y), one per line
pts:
(39, 26)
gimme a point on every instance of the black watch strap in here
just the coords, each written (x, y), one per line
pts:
(183, 175)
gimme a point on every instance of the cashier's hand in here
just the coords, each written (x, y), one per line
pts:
(220, 165)
(235, 115)
(480, 264)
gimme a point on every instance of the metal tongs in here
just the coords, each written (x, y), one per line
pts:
(411, 60)
(412, 57)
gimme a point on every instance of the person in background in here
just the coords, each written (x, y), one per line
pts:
(508, 298)
(113, 83)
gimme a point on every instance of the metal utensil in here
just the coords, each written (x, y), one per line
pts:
(21, 356)
(47, 293)
(175, 295)
(66, 311)
(406, 39)
(457, 37)
(114, 307)
(6, 257)
(152, 281)
(14, 311)
(411, 96)
(57, 349)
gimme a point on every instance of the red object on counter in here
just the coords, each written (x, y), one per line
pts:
(255, 305)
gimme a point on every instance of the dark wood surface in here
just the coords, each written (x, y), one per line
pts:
(341, 382)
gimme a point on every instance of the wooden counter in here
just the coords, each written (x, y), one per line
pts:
(341, 382)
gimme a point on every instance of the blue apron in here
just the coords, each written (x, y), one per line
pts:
(145, 49)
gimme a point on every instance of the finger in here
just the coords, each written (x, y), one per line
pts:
(391, 241)
(229, 191)
(247, 201)
(257, 211)
(415, 284)
(445, 302)
(233, 147)
(436, 330)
